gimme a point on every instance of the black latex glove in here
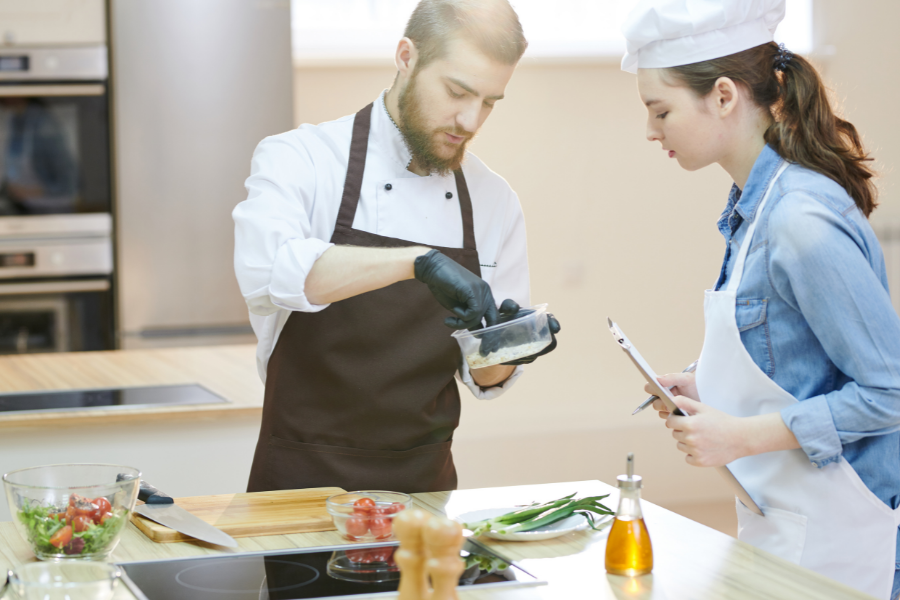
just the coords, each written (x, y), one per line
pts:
(504, 338)
(457, 289)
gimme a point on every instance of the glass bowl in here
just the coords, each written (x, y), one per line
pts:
(507, 341)
(364, 565)
(64, 581)
(366, 516)
(74, 511)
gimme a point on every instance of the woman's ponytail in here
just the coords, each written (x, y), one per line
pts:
(805, 129)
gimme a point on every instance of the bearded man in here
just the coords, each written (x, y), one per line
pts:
(343, 224)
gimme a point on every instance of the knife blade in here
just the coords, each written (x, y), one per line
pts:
(161, 508)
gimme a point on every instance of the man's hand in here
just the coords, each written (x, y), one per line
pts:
(509, 311)
(457, 289)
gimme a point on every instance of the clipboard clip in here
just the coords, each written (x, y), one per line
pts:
(617, 334)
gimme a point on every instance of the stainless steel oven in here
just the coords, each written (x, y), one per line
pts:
(56, 227)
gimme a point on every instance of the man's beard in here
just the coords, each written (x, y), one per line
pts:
(423, 144)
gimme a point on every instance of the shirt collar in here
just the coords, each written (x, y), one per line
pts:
(388, 134)
(764, 169)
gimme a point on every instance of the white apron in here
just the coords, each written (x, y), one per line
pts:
(823, 519)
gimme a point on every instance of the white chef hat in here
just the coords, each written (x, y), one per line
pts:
(670, 33)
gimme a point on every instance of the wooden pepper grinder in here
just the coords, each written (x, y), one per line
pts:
(429, 547)
(443, 540)
(410, 556)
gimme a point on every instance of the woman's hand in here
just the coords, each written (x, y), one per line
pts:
(709, 437)
(685, 385)
(712, 438)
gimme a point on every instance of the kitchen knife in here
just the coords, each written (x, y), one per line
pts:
(162, 508)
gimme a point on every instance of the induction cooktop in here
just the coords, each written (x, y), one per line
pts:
(331, 572)
(131, 397)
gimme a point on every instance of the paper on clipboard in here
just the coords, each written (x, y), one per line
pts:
(668, 399)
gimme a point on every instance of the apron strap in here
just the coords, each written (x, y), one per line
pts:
(465, 208)
(738, 272)
(356, 166)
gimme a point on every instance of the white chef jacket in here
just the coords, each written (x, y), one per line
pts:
(293, 196)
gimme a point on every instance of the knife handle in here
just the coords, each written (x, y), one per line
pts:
(151, 495)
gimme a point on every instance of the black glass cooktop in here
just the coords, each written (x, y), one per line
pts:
(335, 572)
(49, 400)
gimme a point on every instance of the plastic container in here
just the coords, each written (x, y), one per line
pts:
(507, 341)
(366, 516)
(73, 511)
(64, 581)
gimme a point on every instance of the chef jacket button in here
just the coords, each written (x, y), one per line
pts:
(448, 195)
(388, 187)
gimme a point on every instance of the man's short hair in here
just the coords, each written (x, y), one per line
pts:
(492, 25)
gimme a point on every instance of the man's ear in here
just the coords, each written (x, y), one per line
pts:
(725, 96)
(406, 56)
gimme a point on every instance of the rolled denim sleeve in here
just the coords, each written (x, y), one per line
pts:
(821, 263)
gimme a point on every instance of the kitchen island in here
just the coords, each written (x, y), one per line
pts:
(691, 560)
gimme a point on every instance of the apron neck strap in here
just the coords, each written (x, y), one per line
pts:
(738, 272)
(356, 167)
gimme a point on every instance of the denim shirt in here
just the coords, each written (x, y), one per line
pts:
(815, 315)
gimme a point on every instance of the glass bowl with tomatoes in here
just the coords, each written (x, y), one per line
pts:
(73, 511)
(367, 516)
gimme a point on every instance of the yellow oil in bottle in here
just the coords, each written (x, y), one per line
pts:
(628, 548)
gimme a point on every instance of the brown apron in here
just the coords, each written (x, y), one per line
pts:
(361, 395)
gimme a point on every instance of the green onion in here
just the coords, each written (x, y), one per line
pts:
(537, 515)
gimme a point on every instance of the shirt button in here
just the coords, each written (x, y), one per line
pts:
(388, 187)
(448, 195)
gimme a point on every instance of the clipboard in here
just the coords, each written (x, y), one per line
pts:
(669, 400)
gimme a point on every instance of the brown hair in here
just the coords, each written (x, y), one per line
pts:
(492, 25)
(805, 129)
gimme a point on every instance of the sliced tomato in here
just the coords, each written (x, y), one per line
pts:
(60, 516)
(70, 514)
(82, 523)
(104, 517)
(83, 507)
(381, 528)
(61, 537)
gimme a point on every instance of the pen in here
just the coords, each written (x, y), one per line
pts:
(690, 369)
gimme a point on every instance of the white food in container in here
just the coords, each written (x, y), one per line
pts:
(507, 341)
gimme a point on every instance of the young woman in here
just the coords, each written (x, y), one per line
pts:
(799, 376)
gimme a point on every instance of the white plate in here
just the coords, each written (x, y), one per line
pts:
(567, 525)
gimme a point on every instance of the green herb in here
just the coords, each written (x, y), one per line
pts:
(538, 515)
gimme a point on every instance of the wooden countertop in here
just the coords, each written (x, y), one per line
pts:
(690, 560)
(229, 371)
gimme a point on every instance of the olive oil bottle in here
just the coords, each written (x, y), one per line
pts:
(628, 548)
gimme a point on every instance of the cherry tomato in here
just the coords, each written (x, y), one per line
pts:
(394, 508)
(61, 537)
(363, 506)
(362, 556)
(357, 526)
(105, 517)
(102, 506)
(70, 514)
(384, 554)
(82, 523)
(381, 528)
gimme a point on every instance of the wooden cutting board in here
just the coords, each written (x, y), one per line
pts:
(246, 515)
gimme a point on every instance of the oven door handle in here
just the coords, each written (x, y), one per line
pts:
(81, 89)
(54, 287)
